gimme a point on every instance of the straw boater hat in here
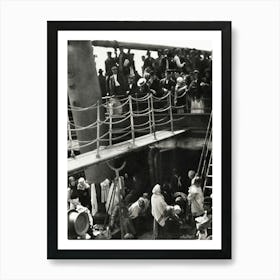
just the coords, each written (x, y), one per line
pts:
(141, 82)
(180, 80)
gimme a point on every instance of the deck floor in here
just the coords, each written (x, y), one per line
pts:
(107, 153)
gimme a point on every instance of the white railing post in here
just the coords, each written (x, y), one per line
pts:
(70, 139)
(153, 117)
(110, 124)
(150, 118)
(170, 112)
(131, 120)
(98, 131)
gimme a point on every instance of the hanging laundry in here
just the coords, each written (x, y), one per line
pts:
(105, 186)
(94, 204)
(113, 197)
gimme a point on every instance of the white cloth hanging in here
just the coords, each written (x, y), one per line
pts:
(112, 198)
(197, 106)
(105, 186)
(94, 204)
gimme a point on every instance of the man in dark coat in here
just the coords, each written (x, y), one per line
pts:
(167, 84)
(132, 86)
(116, 86)
(109, 63)
(102, 82)
(149, 61)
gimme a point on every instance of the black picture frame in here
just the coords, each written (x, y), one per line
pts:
(52, 87)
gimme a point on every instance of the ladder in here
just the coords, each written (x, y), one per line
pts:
(208, 178)
(205, 163)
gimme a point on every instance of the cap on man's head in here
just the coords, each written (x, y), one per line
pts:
(191, 174)
(109, 52)
(100, 71)
(114, 67)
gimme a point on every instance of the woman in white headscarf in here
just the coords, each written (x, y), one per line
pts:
(161, 212)
(158, 205)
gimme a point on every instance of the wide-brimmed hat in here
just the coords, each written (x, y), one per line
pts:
(141, 82)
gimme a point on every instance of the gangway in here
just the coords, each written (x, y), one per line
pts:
(109, 152)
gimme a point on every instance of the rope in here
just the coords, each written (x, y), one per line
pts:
(114, 96)
(142, 111)
(161, 98)
(142, 129)
(83, 141)
(122, 129)
(160, 120)
(179, 119)
(141, 124)
(146, 97)
(105, 134)
(120, 106)
(80, 109)
(161, 110)
(121, 120)
(164, 123)
(73, 124)
(140, 115)
(104, 140)
(88, 144)
(84, 127)
(121, 136)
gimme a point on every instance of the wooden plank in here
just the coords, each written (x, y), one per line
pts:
(107, 153)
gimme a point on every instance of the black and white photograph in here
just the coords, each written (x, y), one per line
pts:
(143, 137)
(139, 141)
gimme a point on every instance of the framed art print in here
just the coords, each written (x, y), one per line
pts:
(139, 140)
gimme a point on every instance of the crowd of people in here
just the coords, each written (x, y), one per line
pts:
(170, 210)
(185, 73)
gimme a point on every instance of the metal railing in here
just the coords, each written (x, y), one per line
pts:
(137, 114)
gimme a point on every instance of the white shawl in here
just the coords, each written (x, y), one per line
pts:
(158, 205)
